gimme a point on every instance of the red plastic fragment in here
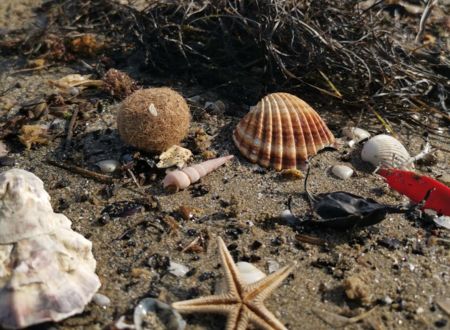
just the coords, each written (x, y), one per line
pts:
(416, 186)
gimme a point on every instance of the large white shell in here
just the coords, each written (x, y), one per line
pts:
(47, 271)
(385, 150)
(25, 208)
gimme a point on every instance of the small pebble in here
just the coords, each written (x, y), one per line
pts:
(108, 166)
(388, 300)
(356, 289)
(288, 217)
(443, 221)
(272, 266)
(101, 300)
(3, 149)
(177, 269)
(342, 171)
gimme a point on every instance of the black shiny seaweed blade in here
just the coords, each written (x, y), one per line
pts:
(344, 210)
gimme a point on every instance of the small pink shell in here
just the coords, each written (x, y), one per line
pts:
(181, 179)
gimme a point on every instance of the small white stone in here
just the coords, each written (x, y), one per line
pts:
(419, 310)
(108, 166)
(443, 221)
(342, 171)
(287, 216)
(177, 269)
(273, 266)
(101, 300)
(388, 300)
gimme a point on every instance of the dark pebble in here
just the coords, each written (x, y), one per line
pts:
(206, 276)
(255, 245)
(440, 323)
(7, 161)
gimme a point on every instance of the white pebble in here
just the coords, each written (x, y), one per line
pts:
(177, 269)
(108, 166)
(287, 216)
(443, 221)
(273, 266)
(342, 171)
(101, 300)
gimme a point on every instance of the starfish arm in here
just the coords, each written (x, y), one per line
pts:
(238, 318)
(221, 304)
(260, 290)
(264, 319)
(232, 277)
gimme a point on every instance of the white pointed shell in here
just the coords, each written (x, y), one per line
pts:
(25, 208)
(384, 150)
(48, 272)
(181, 179)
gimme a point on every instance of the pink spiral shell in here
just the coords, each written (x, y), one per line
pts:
(181, 179)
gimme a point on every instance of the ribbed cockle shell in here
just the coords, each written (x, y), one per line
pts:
(281, 131)
(181, 179)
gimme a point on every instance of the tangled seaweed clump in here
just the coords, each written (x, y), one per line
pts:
(355, 53)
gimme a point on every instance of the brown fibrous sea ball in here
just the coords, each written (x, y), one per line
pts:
(153, 119)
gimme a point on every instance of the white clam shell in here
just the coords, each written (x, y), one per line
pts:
(385, 150)
(249, 273)
(342, 171)
(108, 165)
(47, 271)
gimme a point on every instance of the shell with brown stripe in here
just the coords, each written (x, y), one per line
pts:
(281, 131)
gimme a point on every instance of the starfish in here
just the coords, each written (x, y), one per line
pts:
(242, 303)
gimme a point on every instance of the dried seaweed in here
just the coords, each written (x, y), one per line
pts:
(244, 49)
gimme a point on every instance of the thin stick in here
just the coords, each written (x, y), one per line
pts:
(82, 171)
(72, 122)
(426, 13)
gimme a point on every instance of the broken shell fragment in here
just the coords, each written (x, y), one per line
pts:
(281, 131)
(342, 171)
(47, 271)
(175, 155)
(355, 134)
(384, 150)
(181, 179)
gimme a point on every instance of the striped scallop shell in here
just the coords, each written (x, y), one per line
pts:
(281, 131)
(385, 150)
